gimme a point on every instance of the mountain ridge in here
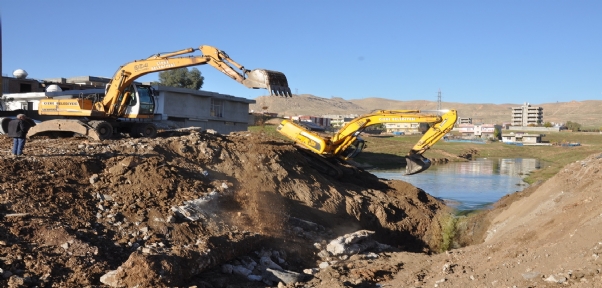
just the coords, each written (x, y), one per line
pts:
(588, 113)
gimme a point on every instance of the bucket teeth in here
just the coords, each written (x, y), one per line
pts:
(278, 85)
(280, 91)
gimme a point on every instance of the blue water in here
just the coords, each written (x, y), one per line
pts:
(469, 185)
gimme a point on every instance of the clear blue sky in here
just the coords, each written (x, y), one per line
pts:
(536, 51)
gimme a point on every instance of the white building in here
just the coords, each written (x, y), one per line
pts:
(526, 115)
(485, 131)
(406, 128)
(521, 137)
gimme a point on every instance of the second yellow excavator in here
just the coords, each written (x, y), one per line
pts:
(129, 107)
(347, 143)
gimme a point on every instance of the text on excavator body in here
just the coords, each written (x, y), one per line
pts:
(397, 119)
(163, 64)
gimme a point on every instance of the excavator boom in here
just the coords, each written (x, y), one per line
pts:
(116, 98)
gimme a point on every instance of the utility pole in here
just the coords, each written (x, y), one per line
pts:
(439, 101)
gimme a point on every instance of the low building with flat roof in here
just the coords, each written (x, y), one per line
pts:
(174, 107)
(512, 137)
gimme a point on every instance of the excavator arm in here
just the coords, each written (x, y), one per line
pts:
(346, 143)
(417, 163)
(117, 96)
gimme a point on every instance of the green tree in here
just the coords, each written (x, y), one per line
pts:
(497, 134)
(574, 126)
(182, 77)
(547, 124)
(3, 102)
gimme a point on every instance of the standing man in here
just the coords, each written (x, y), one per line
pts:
(17, 129)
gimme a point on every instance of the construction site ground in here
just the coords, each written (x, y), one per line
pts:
(248, 210)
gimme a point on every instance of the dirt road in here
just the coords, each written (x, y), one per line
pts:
(246, 210)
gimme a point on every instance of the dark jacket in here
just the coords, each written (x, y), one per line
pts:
(19, 128)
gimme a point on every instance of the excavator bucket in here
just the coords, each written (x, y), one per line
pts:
(416, 163)
(274, 81)
(63, 125)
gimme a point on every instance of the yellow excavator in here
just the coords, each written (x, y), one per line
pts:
(347, 143)
(129, 107)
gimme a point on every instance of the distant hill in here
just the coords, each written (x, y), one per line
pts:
(587, 113)
(305, 104)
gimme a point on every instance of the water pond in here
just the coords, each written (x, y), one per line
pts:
(469, 185)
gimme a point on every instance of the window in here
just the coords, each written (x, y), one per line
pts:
(147, 102)
(176, 119)
(133, 97)
(217, 108)
(24, 88)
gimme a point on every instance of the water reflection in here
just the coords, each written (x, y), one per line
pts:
(469, 185)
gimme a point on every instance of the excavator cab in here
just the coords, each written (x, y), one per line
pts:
(141, 101)
(273, 81)
(146, 98)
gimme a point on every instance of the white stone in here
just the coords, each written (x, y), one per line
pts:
(267, 262)
(94, 178)
(110, 279)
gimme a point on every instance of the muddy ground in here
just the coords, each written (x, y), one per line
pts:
(246, 210)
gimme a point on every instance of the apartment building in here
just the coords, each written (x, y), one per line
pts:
(527, 115)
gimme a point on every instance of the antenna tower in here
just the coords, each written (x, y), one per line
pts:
(439, 100)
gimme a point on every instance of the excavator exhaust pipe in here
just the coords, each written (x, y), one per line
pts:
(273, 81)
(416, 163)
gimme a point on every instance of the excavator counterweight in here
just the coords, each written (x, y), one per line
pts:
(64, 125)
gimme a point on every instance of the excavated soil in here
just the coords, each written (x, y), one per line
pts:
(72, 210)
(246, 210)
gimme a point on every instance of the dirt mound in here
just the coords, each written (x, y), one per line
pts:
(175, 211)
(546, 236)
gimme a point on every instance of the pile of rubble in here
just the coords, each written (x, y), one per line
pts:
(194, 209)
